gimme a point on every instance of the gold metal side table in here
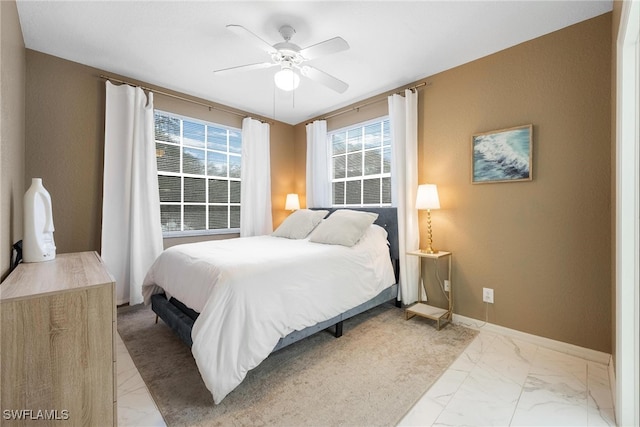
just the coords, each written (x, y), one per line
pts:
(422, 308)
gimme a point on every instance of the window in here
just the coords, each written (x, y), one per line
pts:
(361, 164)
(198, 175)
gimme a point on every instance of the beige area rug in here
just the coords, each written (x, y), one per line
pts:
(370, 376)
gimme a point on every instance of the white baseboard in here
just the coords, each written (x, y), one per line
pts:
(574, 350)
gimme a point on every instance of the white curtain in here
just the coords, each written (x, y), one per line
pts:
(131, 230)
(318, 168)
(255, 194)
(403, 117)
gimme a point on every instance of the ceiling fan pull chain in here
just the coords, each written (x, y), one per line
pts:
(274, 101)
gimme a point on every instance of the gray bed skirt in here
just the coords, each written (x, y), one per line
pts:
(181, 318)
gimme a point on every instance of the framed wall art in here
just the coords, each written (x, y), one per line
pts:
(502, 155)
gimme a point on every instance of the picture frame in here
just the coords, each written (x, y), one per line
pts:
(504, 155)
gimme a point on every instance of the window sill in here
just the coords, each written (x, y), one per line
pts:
(196, 233)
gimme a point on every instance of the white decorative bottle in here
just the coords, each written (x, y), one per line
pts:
(37, 243)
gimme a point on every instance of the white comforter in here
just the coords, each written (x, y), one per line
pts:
(252, 291)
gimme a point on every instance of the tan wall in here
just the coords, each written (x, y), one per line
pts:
(544, 246)
(12, 128)
(65, 143)
(64, 146)
(282, 169)
(300, 153)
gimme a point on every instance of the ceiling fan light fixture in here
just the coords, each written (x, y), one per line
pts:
(287, 79)
(290, 58)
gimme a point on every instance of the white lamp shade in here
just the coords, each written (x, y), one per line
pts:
(287, 79)
(292, 203)
(427, 197)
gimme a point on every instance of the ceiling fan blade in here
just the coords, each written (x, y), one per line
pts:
(249, 36)
(334, 45)
(324, 78)
(247, 67)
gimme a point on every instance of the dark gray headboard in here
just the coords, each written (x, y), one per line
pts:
(387, 219)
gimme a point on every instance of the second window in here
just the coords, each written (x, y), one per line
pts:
(361, 164)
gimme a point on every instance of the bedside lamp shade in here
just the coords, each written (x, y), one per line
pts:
(292, 203)
(427, 199)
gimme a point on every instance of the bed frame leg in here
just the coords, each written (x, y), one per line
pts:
(338, 333)
(398, 303)
(156, 319)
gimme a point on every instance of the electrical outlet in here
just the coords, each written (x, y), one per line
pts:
(487, 295)
(447, 285)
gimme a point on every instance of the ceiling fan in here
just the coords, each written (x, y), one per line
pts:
(291, 58)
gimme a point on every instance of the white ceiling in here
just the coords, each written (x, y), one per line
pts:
(177, 44)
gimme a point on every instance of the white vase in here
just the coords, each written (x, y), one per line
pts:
(37, 243)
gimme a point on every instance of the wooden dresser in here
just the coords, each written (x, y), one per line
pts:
(57, 343)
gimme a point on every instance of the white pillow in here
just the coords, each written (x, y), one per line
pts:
(299, 224)
(344, 227)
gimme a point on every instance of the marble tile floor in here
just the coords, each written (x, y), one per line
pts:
(503, 381)
(136, 407)
(497, 381)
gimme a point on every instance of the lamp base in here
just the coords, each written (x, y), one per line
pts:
(429, 249)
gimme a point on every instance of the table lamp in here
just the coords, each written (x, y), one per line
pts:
(427, 198)
(292, 203)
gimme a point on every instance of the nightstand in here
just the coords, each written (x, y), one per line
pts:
(422, 308)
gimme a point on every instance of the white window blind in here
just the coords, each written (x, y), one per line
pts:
(361, 164)
(198, 175)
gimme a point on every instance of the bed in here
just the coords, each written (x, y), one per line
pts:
(269, 292)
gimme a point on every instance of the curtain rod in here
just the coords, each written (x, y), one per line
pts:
(357, 107)
(181, 98)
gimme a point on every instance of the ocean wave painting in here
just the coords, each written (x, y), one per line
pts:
(503, 155)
